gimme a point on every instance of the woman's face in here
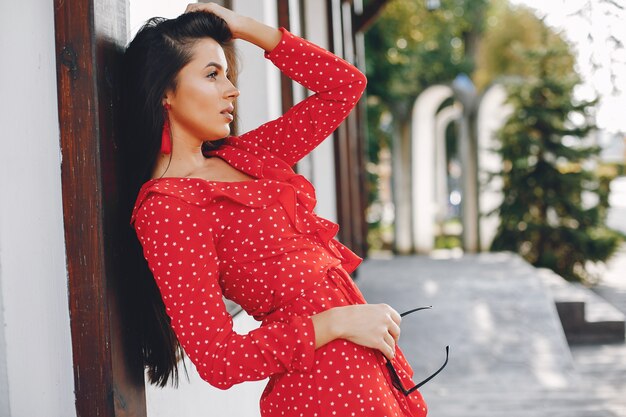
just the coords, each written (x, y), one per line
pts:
(201, 106)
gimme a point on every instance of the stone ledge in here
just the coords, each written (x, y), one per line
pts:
(585, 316)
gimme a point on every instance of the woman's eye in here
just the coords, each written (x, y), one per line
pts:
(212, 75)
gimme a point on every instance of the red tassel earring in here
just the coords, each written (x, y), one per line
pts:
(166, 135)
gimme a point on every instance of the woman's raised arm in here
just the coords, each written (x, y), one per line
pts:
(337, 84)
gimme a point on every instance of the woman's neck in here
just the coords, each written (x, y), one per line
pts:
(181, 162)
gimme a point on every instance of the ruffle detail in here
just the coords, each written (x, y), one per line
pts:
(274, 181)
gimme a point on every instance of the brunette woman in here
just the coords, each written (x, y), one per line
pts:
(219, 215)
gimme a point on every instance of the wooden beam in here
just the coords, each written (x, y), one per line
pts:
(348, 148)
(286, 85)
(364, 20)
(108, 374)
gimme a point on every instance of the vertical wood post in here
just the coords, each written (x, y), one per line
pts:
(108, 375)
(286, 85)
(349, 137)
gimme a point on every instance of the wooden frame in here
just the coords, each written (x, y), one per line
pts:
(348, 145)
(108, 374)
(286, 86)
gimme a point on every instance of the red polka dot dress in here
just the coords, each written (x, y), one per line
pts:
(260, 244)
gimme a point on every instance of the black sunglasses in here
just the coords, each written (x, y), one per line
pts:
(394, 375)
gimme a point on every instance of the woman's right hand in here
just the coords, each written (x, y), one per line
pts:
(234, 21)
(242, 27)
(375, 326)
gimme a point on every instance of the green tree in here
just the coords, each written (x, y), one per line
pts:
(546, 215)
(410, 48)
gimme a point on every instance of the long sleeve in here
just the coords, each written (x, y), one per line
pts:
(337, 84)
(178, 244)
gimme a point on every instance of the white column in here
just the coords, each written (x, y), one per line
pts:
(401, 185)
(444, 117)
(322, 159)
(423, 169)
(492, 114)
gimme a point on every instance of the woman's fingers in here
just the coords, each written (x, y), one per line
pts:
(394, 330)
(394, 322)
(396, 317)
(390, 346)
(374, 326)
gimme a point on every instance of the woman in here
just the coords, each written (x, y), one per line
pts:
(220, 215)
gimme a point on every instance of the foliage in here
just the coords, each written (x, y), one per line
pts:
(410, 48)
(510, 31)
(551, 213)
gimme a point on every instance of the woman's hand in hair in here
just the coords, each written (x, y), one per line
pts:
(242, 27)
(234, 21)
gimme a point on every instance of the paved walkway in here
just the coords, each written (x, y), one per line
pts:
(612, 286)
(508, 353)
(604, 366)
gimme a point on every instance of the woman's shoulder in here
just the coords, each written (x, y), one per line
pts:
(195, 195)
(161, 193)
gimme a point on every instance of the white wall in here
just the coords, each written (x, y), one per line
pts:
(4, 380)
(259, 79)
(36, 376)
(197, 398)
(142, 10)
(323, 157)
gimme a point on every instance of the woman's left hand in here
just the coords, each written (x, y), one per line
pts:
(235, 21)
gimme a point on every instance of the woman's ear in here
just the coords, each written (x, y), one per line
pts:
(167, 95)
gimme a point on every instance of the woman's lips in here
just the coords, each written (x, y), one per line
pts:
(227, 112)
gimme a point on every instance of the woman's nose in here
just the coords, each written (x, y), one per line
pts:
(235, 93)
(232, 92)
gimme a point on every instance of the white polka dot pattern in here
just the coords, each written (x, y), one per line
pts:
(260, 244)
(338, 86)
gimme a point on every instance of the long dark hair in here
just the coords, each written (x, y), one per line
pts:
(150, 65)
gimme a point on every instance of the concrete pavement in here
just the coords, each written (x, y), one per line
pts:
(508, 353)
